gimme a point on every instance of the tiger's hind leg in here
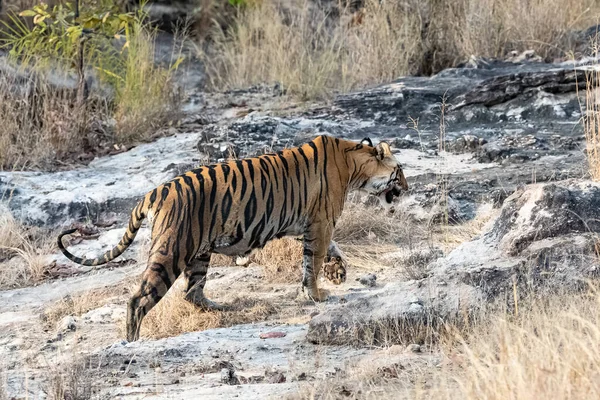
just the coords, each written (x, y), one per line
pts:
(195, 274)
(156, 281)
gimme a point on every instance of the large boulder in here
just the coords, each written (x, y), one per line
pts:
(545, 238)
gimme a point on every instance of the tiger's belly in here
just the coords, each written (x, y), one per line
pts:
(232, 245)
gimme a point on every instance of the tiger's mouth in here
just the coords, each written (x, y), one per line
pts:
(387, 197)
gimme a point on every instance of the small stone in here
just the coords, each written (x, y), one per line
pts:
(175, 381)
(67, 324)
(413, 348)
(271, 335)
(276, 377)
(369, 280)
(301, 376)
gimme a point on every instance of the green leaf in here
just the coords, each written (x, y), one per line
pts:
(28, 13)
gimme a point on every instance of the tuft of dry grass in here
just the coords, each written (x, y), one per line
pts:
(451, 236)
(80, 304)
(307, 52)
(281, 260)
(591, 120)
(549, 349)
(71, 381)
(173, 315)
(146, 98)
(313, 54)
(360, 224)
(34, 129)
(23, 252)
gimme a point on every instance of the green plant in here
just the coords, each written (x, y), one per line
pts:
(95, 40)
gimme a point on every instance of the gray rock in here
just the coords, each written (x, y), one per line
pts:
(543, 240)
(369, 280)
(68, 323)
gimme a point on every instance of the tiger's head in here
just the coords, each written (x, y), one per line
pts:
(378, 172)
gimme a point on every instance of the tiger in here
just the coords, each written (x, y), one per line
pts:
(237, 206)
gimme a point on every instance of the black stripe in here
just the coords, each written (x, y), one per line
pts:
(226, 170)
(239, 235)
(153, 197)
(316, 155)
(250, 210)
(201, 211)
(270, 204)
(164, 193)
(256, 232)
(213, 189)
(226, 207)
(304, 157)
(161, 271)
(234, 182)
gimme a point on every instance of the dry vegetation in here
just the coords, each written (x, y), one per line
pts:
(71, 381)
(42, 124)
(592, 119)
(313, 54)
(80, 304)
(174, 315)
(549, 349)
(23, 252)
(281, 260)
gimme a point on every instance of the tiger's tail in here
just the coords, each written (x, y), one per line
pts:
(135, 221)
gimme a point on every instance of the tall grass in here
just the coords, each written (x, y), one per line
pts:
(551, 350)
(41, 121)
(313, 54)
(39, 124)
(309, 54)
(592, 119)
(146, 95)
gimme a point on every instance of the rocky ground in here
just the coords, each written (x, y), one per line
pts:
(470, 139)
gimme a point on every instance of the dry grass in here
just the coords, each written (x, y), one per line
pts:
(313, 54)
(71, 381)
(308, 53)
(81, 304)
(23, 252)
(451, 236)
(42, 124)
(366, 224)
(281, 260)
(34, 128)
(592, 119)
(549, 349)
(173, 315)
(146, 95)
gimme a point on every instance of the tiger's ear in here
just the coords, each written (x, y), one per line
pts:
(366, 142)
(383, 150)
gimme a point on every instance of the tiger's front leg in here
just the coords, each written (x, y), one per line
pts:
(316, 243)
(336, 264)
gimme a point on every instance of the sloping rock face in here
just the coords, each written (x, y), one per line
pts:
(545, 238)
(503, 123)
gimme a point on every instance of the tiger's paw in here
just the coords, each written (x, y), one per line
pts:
(335, 270)
(206, 304)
